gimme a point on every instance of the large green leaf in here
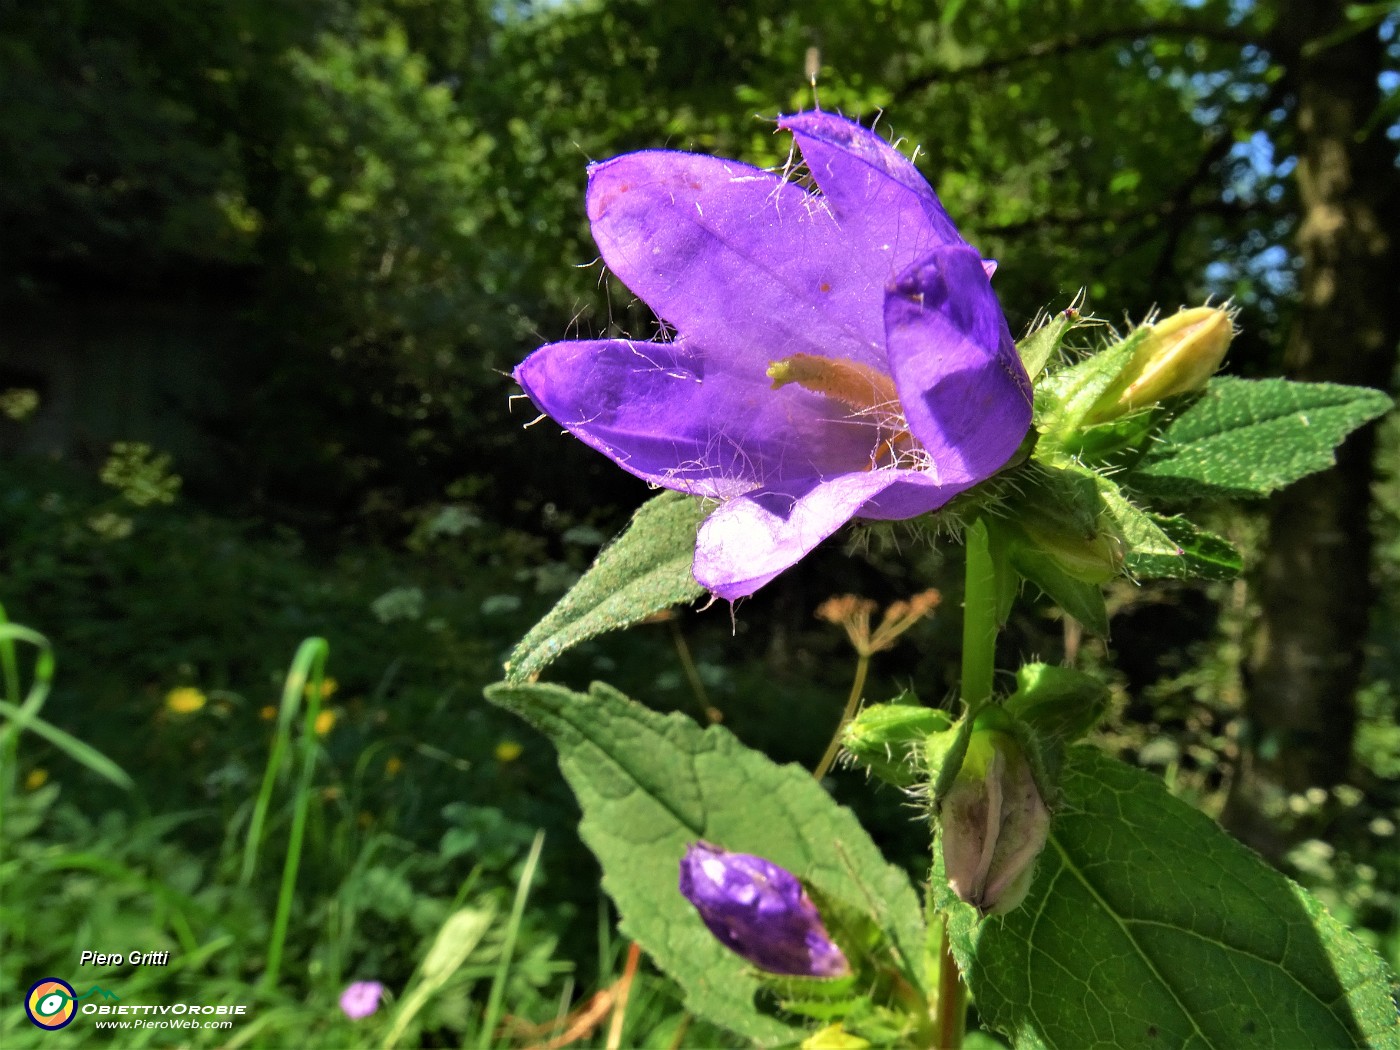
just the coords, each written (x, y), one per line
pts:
(646, 570)
(651, 784)
(1248, 437)
(1148, 926)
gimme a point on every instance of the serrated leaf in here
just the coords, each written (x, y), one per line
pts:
(1202, 555)
(1149, 926)
(1248, 437)
(645, 570)
(651, 784)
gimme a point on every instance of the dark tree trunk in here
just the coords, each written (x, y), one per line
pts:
(1314, 582)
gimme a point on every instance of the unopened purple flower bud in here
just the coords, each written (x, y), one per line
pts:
(759, 911)
(361, 999)
(994, 825)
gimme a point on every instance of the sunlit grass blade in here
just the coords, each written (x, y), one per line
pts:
(84, 754)
(308, 666)
(517, 913)
(21, 716)
(292, 693)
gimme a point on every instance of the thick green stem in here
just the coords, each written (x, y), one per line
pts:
(978, 671)
(979, 618)
(950, 1013)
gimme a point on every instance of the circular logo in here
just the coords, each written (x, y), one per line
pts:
(49, 1003)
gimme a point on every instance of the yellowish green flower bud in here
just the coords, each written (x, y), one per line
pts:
(1175, 356)
(994, 824)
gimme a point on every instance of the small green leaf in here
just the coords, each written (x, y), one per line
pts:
(1248, 437)
(1149, 926)
(645, 570)
(1201, 555)
(651, 784)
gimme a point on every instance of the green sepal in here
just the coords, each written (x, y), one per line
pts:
(944, 754)
(1038, 348)
(1063, 513)
(1084, 601)
(1064, 399)
(1059, 702)
(887, 739)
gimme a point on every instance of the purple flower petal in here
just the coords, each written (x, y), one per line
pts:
(760, 911)
(361, 999)
(749, 540)
(875, 191)
(745, 265)
(961, 383)
(689, 421)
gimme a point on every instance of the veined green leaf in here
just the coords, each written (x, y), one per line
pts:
(652, 784)
(645, 570)
(1147, 925)
(1248, 437)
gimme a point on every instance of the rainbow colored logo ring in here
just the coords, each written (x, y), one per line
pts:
(51, 1004)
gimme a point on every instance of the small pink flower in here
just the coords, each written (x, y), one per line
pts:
(361, 999)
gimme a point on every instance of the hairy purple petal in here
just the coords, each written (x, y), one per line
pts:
(689, 421)
(876, 193)
(963, 388)
(760, 911)
(750, 540)
(745, 264)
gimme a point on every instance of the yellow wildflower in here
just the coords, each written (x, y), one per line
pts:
(394, 766)
(37, 778)
(508, 751)
(325, 722)
(184, 701)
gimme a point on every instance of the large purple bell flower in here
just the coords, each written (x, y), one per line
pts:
(837, 354)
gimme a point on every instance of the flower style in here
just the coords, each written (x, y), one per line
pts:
(838, 354)
(760, 911)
